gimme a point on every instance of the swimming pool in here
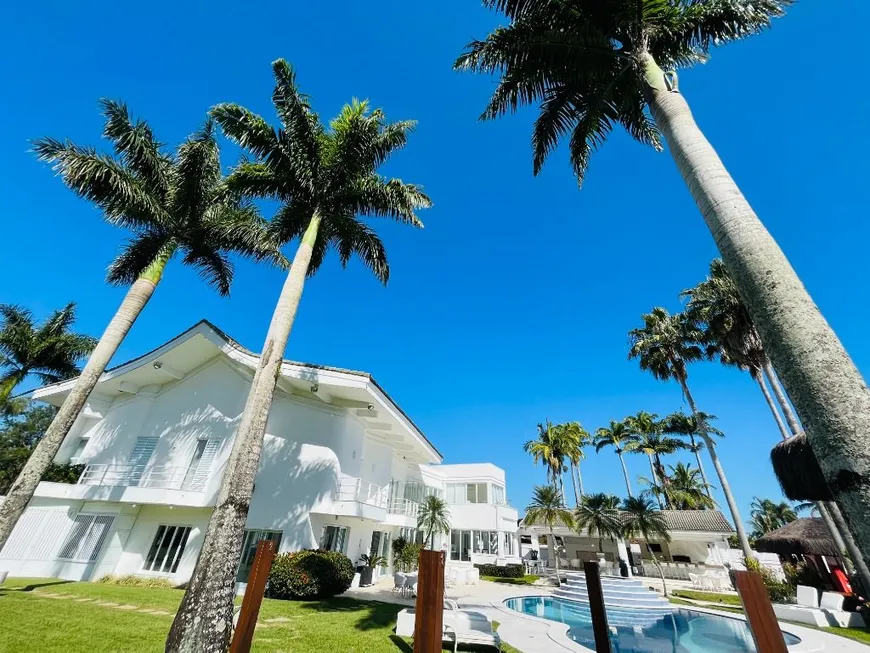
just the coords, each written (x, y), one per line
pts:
(641, 631)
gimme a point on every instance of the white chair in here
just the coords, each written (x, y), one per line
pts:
(831, 601)
(476, 633)
(807, 597)
(695, 580)
(575, 563)
(399, 582)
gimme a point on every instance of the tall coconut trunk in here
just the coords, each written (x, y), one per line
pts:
(203, 623)
(24, 486)
(574, 482)
(787, 410)
(720, 472)
(658, 567)
(848, 540)
(652, 469)
(697, 451)
(624, 472)
(580, 480)
(828, 391)
(783, 429)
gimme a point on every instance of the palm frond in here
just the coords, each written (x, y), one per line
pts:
(376, 196)
(355, 237)
(301, 125)
(139, 252)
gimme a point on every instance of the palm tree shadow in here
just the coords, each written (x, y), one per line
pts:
(401, 644)
(33, 586)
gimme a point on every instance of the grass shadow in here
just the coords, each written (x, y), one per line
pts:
(373, 615)
(33, 586)
(401, 644)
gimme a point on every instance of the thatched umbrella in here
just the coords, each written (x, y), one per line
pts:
(798, 471)
(806, 536)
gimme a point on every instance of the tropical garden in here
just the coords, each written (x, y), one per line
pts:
(586, 67)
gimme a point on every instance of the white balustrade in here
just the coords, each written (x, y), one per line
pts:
(350, 488)
(155, 476)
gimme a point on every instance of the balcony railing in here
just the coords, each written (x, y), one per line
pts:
(156, 476)
(350, 488)
(404, 507)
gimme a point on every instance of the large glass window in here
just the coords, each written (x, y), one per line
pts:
(249, 550)
(86, 537)
(498, 495)
(78, 451)
(334, 538)
(462, 493)
(166, 549)
(463, 543)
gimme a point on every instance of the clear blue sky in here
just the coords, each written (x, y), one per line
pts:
(513, 305)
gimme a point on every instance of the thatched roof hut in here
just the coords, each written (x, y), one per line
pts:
(798, 471)
(806, 536)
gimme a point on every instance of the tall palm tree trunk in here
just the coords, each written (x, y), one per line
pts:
(203, 622)
(574, 482)
(787, 410)
(720, 472)
(624, 472)
(658, 566)
(134, 301)
(783, 429)
(697, 451)
(580, 480)
(829, 393)
(652, 469)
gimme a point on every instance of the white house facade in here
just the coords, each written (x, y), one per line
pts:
(342, 468)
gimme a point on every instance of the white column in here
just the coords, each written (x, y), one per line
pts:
(622, 552)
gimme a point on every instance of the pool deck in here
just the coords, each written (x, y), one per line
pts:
(535, 635)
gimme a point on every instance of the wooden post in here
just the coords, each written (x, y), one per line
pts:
(244, 633)
(759, 612)
(596, 606)
(429, 610)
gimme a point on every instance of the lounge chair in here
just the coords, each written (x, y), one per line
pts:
(476, 634)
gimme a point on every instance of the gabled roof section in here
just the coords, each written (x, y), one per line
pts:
(365, 397)
(685, 521)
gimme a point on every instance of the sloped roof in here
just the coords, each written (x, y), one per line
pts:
(698, 521)
(807, 535)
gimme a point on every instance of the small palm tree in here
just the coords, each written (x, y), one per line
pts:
(687, 490)
(325, 178)
(49, 350)
(598, 515)
(573, 438)
(665, 346)
(547, 448)
(679, 423)
(617, 435)
(433, 517)
(592, 65)
(176, 206)
(641, 519)
(767, 515)
(548, 509)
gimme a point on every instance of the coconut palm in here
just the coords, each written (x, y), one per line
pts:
(592, 65)
(49, 351)
(767, 515)
(325, 178)
(573, 439)
(598, 515)
(176, 205)
(617, 435)
(641, 519)
(664, 346)
(687, 490)
(656, 445)
(548, 449)
(433, 517)
(679, 423)
(548, 509)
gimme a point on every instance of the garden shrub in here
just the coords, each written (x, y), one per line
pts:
(407, 556)
(507, 571)
(135, 581)
(309, 574)
(779, 591)
(802, 574)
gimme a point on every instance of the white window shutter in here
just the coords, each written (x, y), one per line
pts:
(200, 478)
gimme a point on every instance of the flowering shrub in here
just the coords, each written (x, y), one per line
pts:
(309, 574)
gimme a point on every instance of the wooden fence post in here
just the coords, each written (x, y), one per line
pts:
(759, 612)
(244, 633)
(596, 606)
(429, 609)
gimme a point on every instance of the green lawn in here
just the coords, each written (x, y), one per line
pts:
(524, 580)
(73, 622)
(712, 597)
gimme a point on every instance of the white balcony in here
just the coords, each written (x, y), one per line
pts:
(404, 507)
(355, 497)
(156, 476)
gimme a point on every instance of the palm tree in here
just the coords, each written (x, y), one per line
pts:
(592, 65)
(768, 515)
(617, 435)
(325, 178)
(598, 514)
(176, 205)
(647, 438)
(679, 423)
(548, 509)
(687, 489)
(664, 346)
(641, 519)
(547, 449)
(433, 517)
(49, 350)
(573, 438)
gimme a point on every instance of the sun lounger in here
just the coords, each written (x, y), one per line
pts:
(479, 634)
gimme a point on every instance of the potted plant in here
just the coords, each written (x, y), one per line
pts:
(369, 562)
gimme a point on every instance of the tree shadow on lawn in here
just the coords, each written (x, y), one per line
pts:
(33, 586)
(373, 615)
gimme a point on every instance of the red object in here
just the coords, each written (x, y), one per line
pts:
(841, 581)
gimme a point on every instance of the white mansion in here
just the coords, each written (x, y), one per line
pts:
(343, 468)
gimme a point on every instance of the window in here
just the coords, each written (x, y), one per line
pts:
(249, 550)
(78, 451)
(498, 495)
(166, 549)
(525, 539)
(462, 493)
(86, 538)
(198, 469)
(654, 547)
(139, 457)
(334, 538)
(463, 543)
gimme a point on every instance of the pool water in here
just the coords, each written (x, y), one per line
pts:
(646, 631)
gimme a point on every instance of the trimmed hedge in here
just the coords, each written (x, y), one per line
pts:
(309, 574)
(507, 571)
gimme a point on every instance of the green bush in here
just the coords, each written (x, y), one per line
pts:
(779, 591)
(309, 574)
(802, 574)
(135, 581)
(507, 571)
(407, 557)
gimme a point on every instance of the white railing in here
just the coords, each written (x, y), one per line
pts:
(350, 488)
(156, 476)
(404, 507)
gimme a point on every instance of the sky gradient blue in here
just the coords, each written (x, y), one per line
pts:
(512, 306)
